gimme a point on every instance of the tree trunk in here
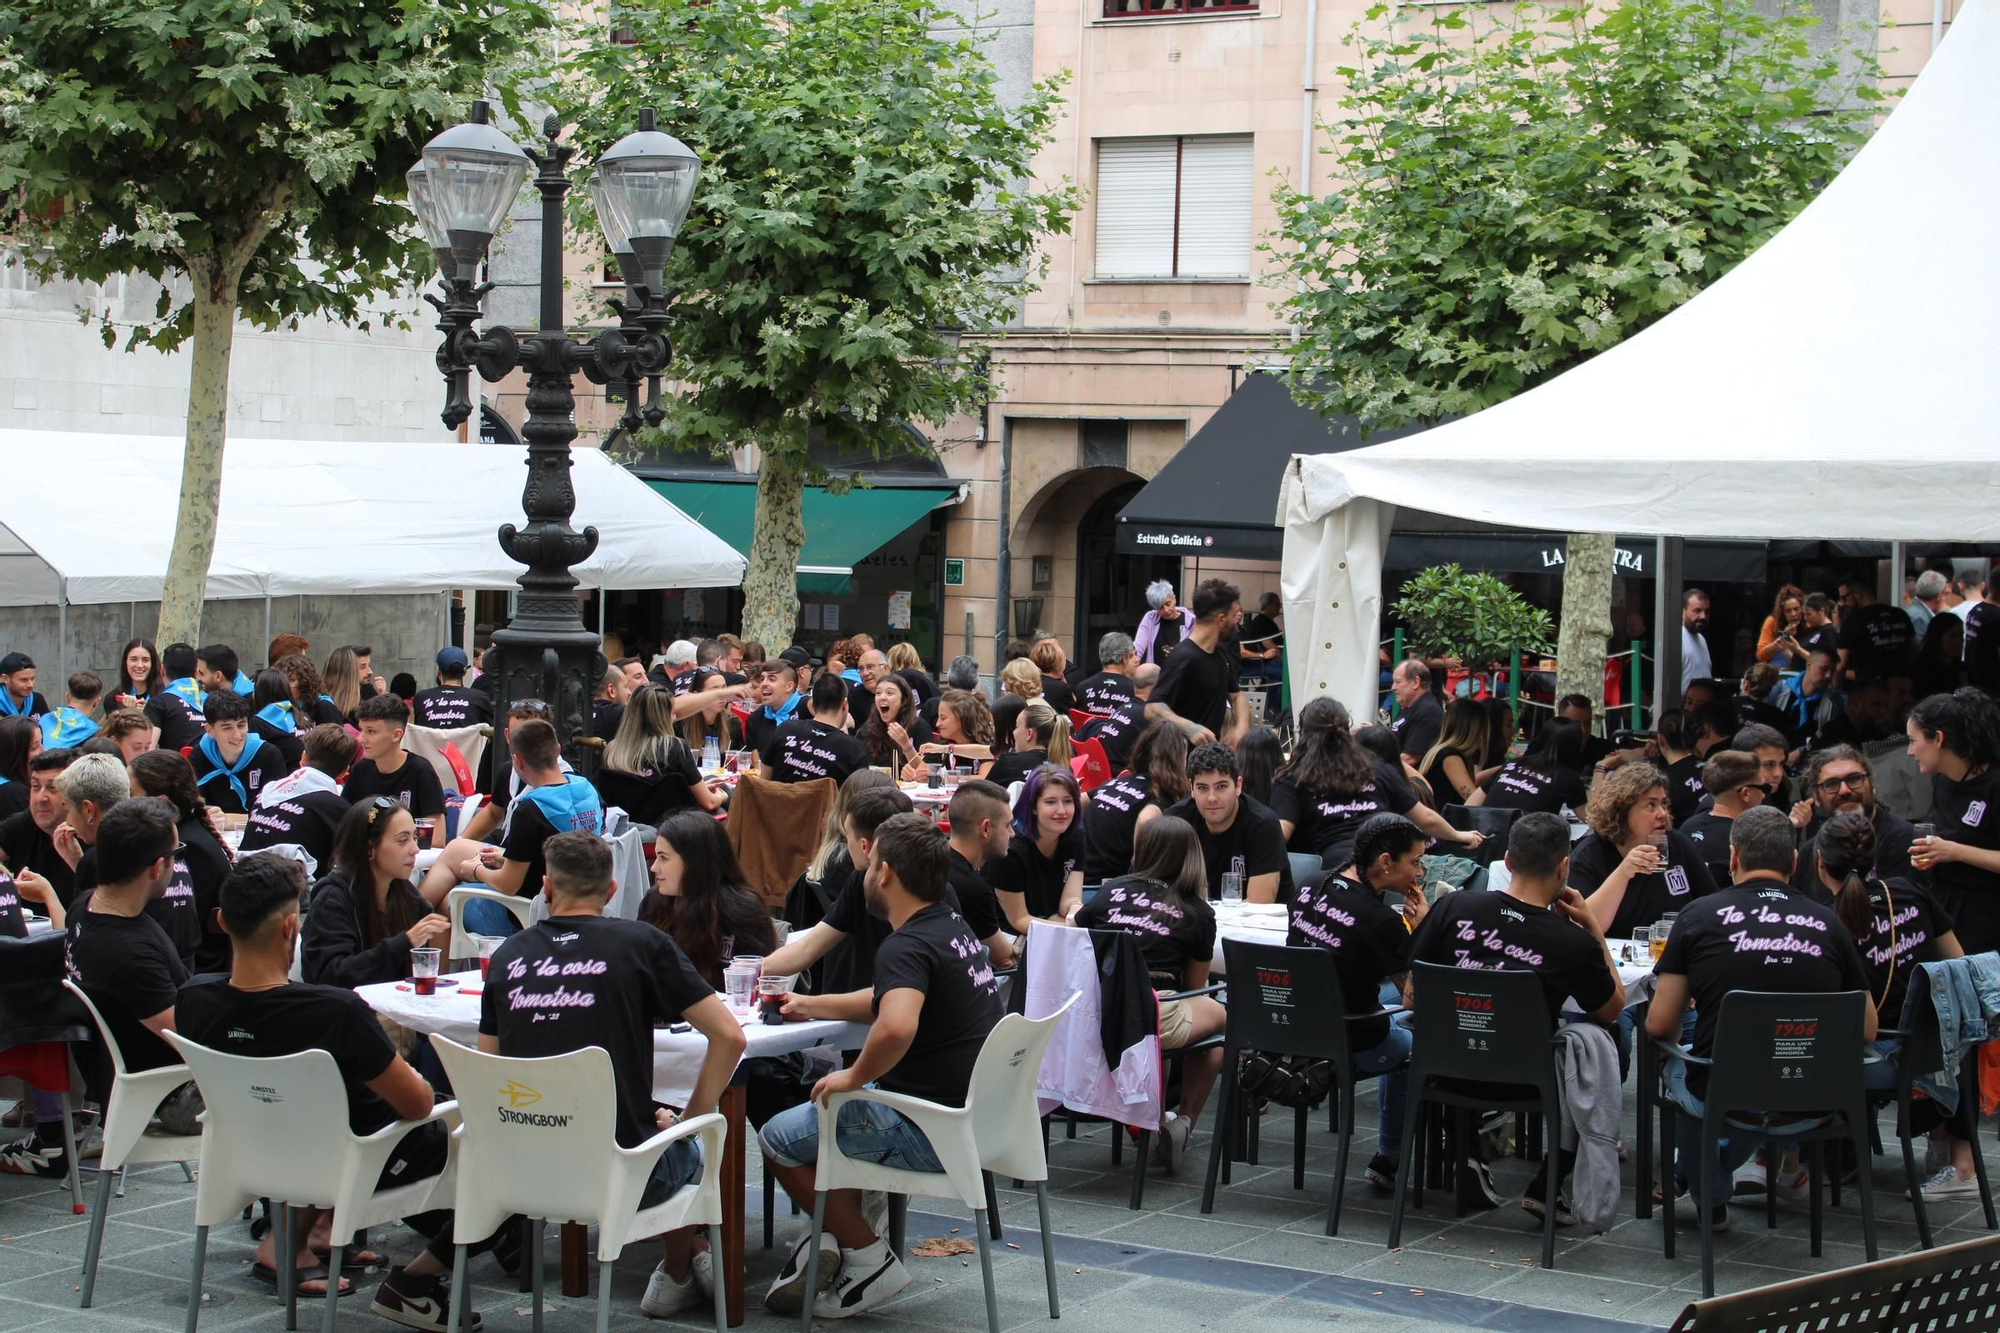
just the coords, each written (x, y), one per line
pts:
(201, 461)
(1586, 617)
(771, 584)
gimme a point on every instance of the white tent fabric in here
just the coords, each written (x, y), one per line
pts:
(319, 519)
(1841, 383)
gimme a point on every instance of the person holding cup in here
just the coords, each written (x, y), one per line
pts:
(367, 914)
(1632, 867)
(701, 899)
(1955, 739)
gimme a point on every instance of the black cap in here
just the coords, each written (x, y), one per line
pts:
(799, 657)
(14, 662)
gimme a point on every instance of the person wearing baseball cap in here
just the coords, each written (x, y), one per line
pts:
(17, 687)
(451, 704)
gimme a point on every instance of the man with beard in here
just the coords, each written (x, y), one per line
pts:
(981, 828)
(1695, 661)
(1838, 782)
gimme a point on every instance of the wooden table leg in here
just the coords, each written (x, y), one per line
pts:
(734, 1101)
(575, 1259)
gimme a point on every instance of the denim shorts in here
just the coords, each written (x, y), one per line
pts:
(483, 916)
(865, 1131)
(679, 1165)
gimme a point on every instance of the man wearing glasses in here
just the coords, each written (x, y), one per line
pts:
(1838, 782)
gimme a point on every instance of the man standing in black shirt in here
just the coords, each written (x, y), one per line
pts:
(1239, 834)
(1838, 782)
(451, 705)
(934, 1002)
(1876, 639)
(1197, 689)
(1419, 716)
(303, 809)
(1757, 935)
(817, 746)
(581, 979)
(386, 768)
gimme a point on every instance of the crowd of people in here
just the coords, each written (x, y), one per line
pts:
(1752, 823)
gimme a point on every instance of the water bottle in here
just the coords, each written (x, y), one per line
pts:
(711, 756)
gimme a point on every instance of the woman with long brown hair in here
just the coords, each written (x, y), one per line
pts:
(366, 915)
(892, 732)
(1778, 642)
(310, 700)
(1331, 785)
(1121, 807)
(701, 898)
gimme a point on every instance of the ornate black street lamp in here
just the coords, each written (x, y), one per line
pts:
(462, 189)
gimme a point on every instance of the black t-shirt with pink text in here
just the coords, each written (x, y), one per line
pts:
(1497, 932)
(1171, 933)
(1756, 936)
(1903, 929)
(1324, 823)
(935, 954)
(804, 749)
(1366, 936)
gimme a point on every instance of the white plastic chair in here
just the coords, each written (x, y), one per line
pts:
(998, 1130)
(284, 1123)
(454, 906)
(128, 1113)
(565, 1165)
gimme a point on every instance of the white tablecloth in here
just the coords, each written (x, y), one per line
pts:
(39, 925)
(677, 1056)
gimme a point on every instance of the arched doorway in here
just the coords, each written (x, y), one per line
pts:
(1111, 586)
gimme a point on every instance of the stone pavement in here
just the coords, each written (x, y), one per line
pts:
(1261, 1254)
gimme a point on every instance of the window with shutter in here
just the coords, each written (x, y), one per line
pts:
(1172, 207)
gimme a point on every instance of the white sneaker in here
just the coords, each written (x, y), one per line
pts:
(867, 1278)
(1946, 1184)
(665, 1297)
(703, 1267)
(1174, 1137)
(798, 1279)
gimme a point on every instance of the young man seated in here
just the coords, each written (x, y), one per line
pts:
(301, 811)
(1239, 834)
(1538, 923)
(17, 687)
(90, 789)
(935, 999)
(778, 695)
(816, 746)
(175, 708)
(551, 802)
(76, 721)
(217, 668)
(1731, 777)
(131, 731)
(451, 704)
(259, 1011)
(498, 782)
(231, 766)
(27, 839)
(386, 768)
(620, 979)
(1758, 935)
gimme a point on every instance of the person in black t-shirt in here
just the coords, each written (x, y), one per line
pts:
(1110, 690)
(1544, 778)
(451, 704)
(1344, 912)
(302, 810)
(1955, 739)
(1041, 876)
(258, 1011)
(186, 908)
(386, 768)
(1419, 716)
(1198, 683)
(1122, 806)
(617, 980)
(1041, 736)
(17, 687)
(1332, 785)
(27, 839)
(1876, 639)
(1239, 836)
(817, 746)
(1680, 763)
(1838, 782)
(1627, 879)
(1730, 777)
(934, 1002)
(231, 766)
(1164, 902)
(701, 899)
(365, 915)
(1049, 659)
(982, 830)
(1757, 935)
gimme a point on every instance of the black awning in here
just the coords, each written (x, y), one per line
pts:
(1219, 495)
(1702, 560)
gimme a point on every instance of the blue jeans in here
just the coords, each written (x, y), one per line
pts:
(1880, 1076)
(1730, 1152)
(678, 1166)
(1392, 1090)
(865, 1131)
(483, 916)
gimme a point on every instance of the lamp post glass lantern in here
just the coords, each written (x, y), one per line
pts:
(461, 190)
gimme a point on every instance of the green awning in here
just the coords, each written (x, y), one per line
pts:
(840, 529)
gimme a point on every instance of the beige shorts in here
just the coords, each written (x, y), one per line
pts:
(1176, 1023)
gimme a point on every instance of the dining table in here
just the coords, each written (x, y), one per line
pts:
(453, 1012)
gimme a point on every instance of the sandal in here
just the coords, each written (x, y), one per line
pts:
(354, 1258)
(317, 1273)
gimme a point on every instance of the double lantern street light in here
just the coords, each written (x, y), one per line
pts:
(462, 189)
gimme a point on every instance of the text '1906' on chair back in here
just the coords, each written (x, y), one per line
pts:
(1285, 1001)
(1491, 1026)
(1778, 1051)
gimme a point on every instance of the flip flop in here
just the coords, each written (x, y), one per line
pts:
(363, 1258)
(317, 1273)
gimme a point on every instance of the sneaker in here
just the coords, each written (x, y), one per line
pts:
(1173, 1141)
(1718, 1221)
(867, 1278)
(1943, 1186)
(1793, 1189)
(1748, 1181)
(1380, 1171)
(702, 1265)
(1484, 1193)
(798, 1279)
(665, 1297)
(1537, 1205)
(31, 1157)
(19, 1116)
(418, 1302)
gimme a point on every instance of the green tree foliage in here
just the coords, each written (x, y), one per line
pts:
(864, 186)
(1473, 617)
(246, 154)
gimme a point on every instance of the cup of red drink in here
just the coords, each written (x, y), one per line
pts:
(426, 834)
(486, 944)
(771, 992)
(424, 969)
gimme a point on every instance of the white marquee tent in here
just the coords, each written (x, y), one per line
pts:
(92, 520)
(1842, 383)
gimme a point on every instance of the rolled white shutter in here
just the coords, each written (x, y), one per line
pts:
(1135, 207)
(1215, 207)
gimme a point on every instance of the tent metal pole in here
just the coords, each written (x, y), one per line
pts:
(135, 623)
(1899, 561)
(1666, 619)
(602, 624)
(267, 624)
(62, 629)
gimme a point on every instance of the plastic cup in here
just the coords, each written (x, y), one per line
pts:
(486, 945)
(1642, 943)
(739, 979)
(424, 969)
(771, 992)
(935, 775)
(426, 833)
(1661, 930)
(1232, 887)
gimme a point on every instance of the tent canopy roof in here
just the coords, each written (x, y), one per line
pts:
(320, 518)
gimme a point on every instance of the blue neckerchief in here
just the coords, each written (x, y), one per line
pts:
(329, 699)
(244, 685)
(569, 805)
(784, 714)
(279, 715)
(66, 728)
(8, 708)
(233, 772)
(186, 689)
(851, 676)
